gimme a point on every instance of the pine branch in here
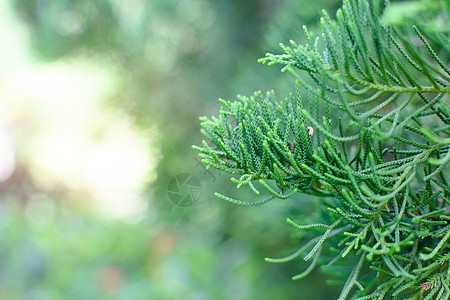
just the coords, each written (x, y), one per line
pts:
(383, 168)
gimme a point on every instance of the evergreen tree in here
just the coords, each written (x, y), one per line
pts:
(366, 130)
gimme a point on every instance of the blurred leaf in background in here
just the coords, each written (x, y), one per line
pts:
(99, 106)
(429, 14)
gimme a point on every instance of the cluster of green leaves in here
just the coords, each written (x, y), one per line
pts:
(381, 172)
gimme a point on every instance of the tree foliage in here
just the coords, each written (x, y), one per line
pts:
(367, 130)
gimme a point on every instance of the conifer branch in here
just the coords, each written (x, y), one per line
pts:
(383, 167)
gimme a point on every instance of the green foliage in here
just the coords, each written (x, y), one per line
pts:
(377, 100)
(148, 46)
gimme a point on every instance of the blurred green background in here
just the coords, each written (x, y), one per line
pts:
(101, 194)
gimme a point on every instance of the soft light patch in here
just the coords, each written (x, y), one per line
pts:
(69, 138)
